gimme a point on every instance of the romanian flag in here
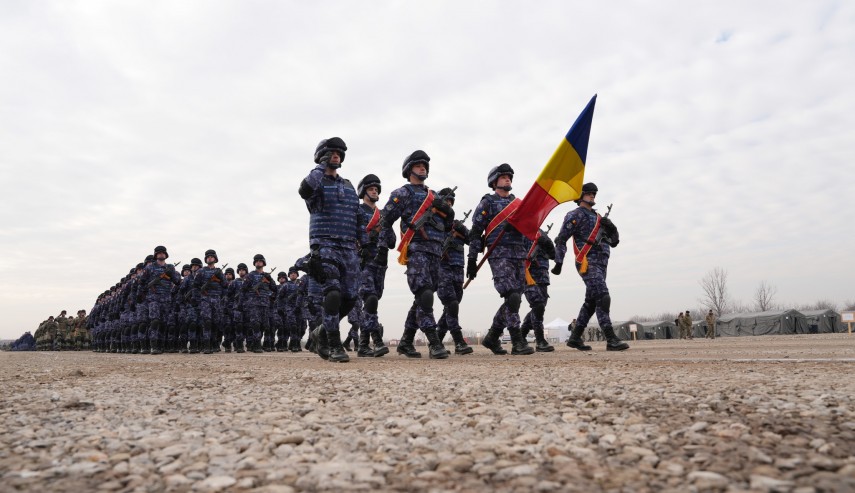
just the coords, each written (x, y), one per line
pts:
(561, 178)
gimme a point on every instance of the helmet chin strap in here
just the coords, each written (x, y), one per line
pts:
(420, 177)
(370, 199)
(506, 188)
(592, 204)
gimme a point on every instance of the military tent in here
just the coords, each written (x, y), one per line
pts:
(823, 321)
(622, 330)
(660, 330)
(761, 323)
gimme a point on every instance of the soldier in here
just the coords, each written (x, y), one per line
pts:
(687, 321)
(209, 282)
(191, 299)
(81, 334)
(233, 296)
(335, 231)
(156, 283)
(592, 259)
(142, 313)
(228, 311)
(51, 328)
(278, 315)
(450, 290)
(61, 342)
(507, 261)
(424, 224)
(256, 291)
(710, 320)
(536, 291)
(374, 254)
(292, 309)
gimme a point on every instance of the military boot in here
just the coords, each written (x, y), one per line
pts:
(460, 346)
(322, 342)
(239, 346)
(294, 345)
(441, 329)
(405, 345)
(613, 342)
(155, 347)
(346, 343)
(135, 347)
(255, 346)
(541, 346)
(491, 341)
(380, 349)
(437, 350)
(194, 347)
(519, 345)
(575, 340)
(337, 353)
(207, 346)
(364, 350)
(525, 328)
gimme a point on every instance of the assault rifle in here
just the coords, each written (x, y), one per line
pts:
(257, 288)
(447, 243)
(176, 264)
(600, 231)
(536, 250)
(428, 215)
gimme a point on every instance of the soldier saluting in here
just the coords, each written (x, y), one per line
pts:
(593, 236)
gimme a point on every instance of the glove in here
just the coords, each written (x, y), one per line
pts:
(557, 269)
(443, 207)
(382, 257)
(268, 277)
(365, 255)
(315, 267)
(472, 268)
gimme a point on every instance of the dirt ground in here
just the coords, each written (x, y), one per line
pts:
(771, 413)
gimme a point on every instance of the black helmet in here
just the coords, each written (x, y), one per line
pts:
(242, 266)
(447, 193)
(282, 275)
(415, 158)
(293, 270)
(149, 259)
(496, 172)
(160, 249)
(328, 145)
(211, 253)
(230, 271)
(185, 267)
(258, 257)
(140, 266)
(368, 181)
(587, 188)
(196, 261)
(133, 269)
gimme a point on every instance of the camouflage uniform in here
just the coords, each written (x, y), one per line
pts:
(257, 290)
(710, 320)
(536, 293)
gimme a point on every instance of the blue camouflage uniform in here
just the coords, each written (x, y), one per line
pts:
(257, 291)
(209, 282)
(238, 322)
(450, 290)
(578, 224)
(537, 294)
(335, 231)
(191, 300)
(373, 279)
(156, 284)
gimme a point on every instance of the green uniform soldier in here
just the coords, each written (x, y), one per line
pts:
(710, 319)
(687, 320)
(59, 342)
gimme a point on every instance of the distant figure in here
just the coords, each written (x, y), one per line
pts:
(681, 325)
(710, 319)
(687, 319)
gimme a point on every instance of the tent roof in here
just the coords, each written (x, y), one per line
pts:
(813, 313)
(656, 324)
(771, 313)
(558, 322)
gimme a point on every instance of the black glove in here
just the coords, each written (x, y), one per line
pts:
(365, 255)
(472, 268)
(557, 269)
(382, 257)
(315, 266)
(443, 207)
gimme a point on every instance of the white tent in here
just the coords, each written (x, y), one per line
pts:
(557, 329)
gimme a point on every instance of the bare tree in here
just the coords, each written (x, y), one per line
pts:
(714, 285)
(764, 297)
(819, 305)
(849, 305)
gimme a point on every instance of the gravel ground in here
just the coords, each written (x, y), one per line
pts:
(734, 414)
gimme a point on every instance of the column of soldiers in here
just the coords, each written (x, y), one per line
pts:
(63, 333)
(205, 309)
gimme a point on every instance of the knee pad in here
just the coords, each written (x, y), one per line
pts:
(513, 301)
(453, 308)
(371, 303)
(424, 299)
(539, 310)
(332, 302)
(605, 302)
(346, 305)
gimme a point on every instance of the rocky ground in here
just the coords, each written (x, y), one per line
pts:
(734, 414)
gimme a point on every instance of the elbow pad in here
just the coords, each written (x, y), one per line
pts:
(305, 190)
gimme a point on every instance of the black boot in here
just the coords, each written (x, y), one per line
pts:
(519, 345)
(437, 350)
(239, 346)
(525, 328)
(207, 346)
(405, 345)
(541, 346)
(256, 346)
(460, 346)
(337, 353)
(294, 345)
(135, 347)
(491, 341)
(575, 341)
(380, 349)
(194, 347)
(155, 347)
(364, 350)
(322, 342)
(346, 343)
(613, 342)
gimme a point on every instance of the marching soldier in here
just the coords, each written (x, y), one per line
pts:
(507, 260)
(450, 292)
(591, 257)
(257, 291)
(536, 291)
(156, 284)
(424, 224)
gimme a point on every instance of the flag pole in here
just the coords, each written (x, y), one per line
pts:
(486, 255)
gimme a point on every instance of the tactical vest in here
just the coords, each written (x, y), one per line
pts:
(206, 287)
(336, 217)
(512, 237)
(434, 228)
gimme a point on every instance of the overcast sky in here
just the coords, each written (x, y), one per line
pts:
(724, 134)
